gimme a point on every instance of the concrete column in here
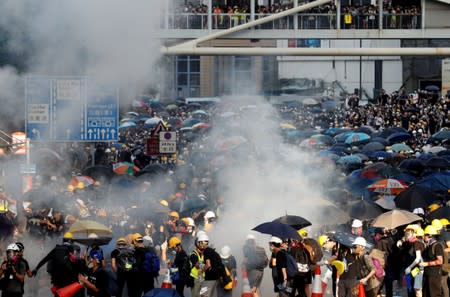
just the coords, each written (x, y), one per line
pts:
(295, 16)
(380, 13)
(338, 14)
(422, 13)
(252, 10)
(209, 16)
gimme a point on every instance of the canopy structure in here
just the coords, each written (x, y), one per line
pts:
(192, 47)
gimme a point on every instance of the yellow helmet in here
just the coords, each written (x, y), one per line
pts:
(70, 188)
(303, 232)
(419, 232)
(340, 266)
(68, 235)
(173, 242)
(121, 240)
(164, 202)
(135, 237)
(444, 222)
(430, 230)
(323, 239)
(436, 224)
(80, 186)
(433, 207)
(174, 214)
(413, 227)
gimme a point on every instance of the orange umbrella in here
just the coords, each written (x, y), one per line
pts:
(125, 168)
(388, 186)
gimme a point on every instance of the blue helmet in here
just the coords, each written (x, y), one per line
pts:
(96, 255)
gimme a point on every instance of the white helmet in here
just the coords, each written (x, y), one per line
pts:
(356, 223)
(360, 241)
(202, 236)
(13, 247)
(275, 239)
(210, 214)
(250, 237)
(225, 252)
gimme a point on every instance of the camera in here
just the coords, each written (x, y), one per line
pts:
(9, 265)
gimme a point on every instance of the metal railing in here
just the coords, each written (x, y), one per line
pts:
(310, 21)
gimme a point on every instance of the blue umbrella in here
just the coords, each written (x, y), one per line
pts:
(379, 155)
(152, 122)
(350, 159)
(335, 131)
(190, 122)
(341, 137)
(199, 111)
(127, 125)
(401, 147)
(439, 136)
(357, 138)
(398, 137)
(373, 147)
(438, 181)
(278, 229)
(432, 88)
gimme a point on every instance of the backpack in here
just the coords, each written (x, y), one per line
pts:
(125, 260)
(291, 266)
(227, 280)
(445, 267)
(378, 260)
(257, 259)
(151, 263)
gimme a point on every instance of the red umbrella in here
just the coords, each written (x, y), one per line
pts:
(125, 168)
(388, 186)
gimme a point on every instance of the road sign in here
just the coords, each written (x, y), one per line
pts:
(167, 142)
(70, 109)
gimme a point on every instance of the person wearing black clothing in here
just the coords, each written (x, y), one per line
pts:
(348, 279)
(97, 280)
(145, 281)
(432, 262)
(278, 263)
(12, 272)
(214, 269)
(124, 275)
(179, 263)
(387, 244)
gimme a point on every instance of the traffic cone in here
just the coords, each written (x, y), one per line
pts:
(246, 290)
(167, 282)
(69, 290)
(317, 283)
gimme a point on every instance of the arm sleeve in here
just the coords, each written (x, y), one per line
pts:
(44, 260)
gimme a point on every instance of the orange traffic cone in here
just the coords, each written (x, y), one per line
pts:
(167, 282)
(317, 284)
(246, 290)
(69, 290)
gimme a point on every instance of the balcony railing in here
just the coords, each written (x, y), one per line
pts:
(304, 21)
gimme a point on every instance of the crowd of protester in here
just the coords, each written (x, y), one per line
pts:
(166, 206)
(190, 16)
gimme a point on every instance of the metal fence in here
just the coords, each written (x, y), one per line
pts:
(309, 21)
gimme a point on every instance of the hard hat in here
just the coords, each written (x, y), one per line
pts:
(413, 227)
(173, 242)
(164, 202)
(303, 232)
(444, 222)
(419, 232)
(148, 241)
(436, 224)
(136, 237)
(174, 214)
(12, 247)
(340, 266)
(80, 186)
(225, 252)
(250, 237)
(418, 211)
(20, 245)
(210, 214)
(360, 241)
(121, 240)
(430, 230)
(202, 237)
(188, 221)
(323, 239)
(68, 235)
(182, 186)
(433, 207)
(275, 239)
(70, 188)
(96, 255)
(92, 235)
(356, 223)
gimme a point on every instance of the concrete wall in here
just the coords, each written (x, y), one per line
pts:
(437, 15)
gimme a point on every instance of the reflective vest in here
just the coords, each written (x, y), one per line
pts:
(194, 269)
(3, 206)
(347, 18)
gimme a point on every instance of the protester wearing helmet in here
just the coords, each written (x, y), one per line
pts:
(255, 261)
(412, 242)
(357, 227)
(229, 262)
(432, 262)
(278, 262)
(197, 274)
(178, 265)
(365, 276)
(214, 269)
(122, 265)
(145, 279)
(21, 247)
(97, 280)
(13, 271)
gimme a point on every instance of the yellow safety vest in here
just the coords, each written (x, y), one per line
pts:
(347, 18)
(195, 270)
(3, 206)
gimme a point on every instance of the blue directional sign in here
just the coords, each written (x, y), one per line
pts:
(70, 109)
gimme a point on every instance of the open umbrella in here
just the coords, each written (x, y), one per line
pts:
(401, 147)
(440, 213)
(86, 180)
(357, 138)
(128, 124)
(310, 101)
(99, 171)
(432, 88)
(90, 240)
(347, 239)
(388, 186)
(398, 137)
(193, 205)
(86, 227)
(296, 222)
(386, 202)
(125, 168)
(373, 147)
(278, 229)
(440, 136)
(395, 218)
(414, 197)
(364, 209)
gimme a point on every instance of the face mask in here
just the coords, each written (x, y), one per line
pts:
(72, 258)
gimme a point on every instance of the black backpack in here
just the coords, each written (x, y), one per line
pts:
(125, 260)
(257, 259)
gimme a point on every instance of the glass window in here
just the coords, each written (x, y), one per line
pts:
(182, 66)
(187, 73)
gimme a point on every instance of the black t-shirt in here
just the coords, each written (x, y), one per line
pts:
(352, 267)
(281, 262)
(216, 269)
(100, 279)
(430, 254)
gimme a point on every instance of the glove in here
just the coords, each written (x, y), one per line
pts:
(408, 270)
(34, 272)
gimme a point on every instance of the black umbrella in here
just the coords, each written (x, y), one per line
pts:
(389, 131)
(364, 210)
(437, 163)
(373, 147)
(440, 213)
(99, 172)
(193, 204)
(414, 166)
(432, 88)
(296, 222)
(380, 140)
(398, 137)
(346, 239)
(278, 229)
(415, 196)
(153, 169)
